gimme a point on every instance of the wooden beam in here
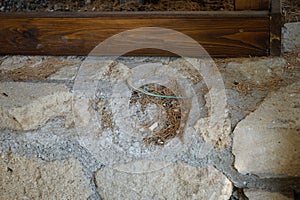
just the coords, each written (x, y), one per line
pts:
(222, 34)
(276, 23)
(252, 5)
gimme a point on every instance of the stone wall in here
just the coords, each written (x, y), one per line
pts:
(45, 154)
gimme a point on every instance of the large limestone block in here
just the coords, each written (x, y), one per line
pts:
(23, 178)
(266, 143)
(174, 181)
(27, 106)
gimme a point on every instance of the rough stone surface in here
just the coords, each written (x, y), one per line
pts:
(14, 62)
(24, 178)
(254, 194)
(249, 80)
(215, 135)
(22, 68)
(267, 141)
(176, 181)
(256, 70)
(65, 73)
(291, 36)
(26, 106)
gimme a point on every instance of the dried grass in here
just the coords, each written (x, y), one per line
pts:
(173, 123)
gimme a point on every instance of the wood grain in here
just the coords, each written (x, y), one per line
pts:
(222, 34)
(252, 4)
(276, 23)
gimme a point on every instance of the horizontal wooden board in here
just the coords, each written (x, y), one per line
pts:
(222, 34)
(252, 4)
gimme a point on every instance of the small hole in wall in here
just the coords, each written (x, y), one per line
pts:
(9, 169)
(4, 94)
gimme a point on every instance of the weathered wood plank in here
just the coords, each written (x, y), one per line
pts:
(221, 34)
(252, 4)
(276, 23)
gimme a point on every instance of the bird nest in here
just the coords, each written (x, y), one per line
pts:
(167, 122)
